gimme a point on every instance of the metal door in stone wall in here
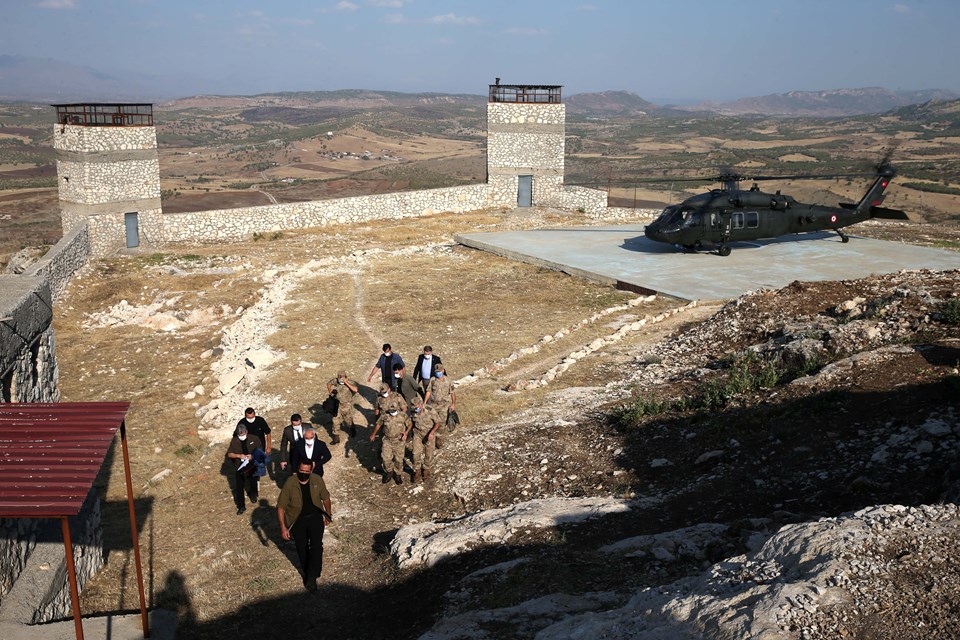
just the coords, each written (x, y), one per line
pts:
(524, 191)
(133, 229)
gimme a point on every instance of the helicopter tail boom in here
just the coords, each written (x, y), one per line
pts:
(880, 212)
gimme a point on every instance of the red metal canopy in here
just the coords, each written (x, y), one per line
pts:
(50, 455)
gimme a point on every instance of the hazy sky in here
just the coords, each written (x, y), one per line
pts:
(662, 50)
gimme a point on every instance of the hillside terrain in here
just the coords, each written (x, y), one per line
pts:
(236, 151)
(667, 464)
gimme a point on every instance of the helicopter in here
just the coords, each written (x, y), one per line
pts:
(730, 214)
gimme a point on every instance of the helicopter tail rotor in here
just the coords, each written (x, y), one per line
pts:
(883, 164)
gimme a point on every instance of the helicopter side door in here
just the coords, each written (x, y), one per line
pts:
(744, 225)
(716, 226)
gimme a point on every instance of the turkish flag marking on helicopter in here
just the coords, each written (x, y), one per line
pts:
(833, 219)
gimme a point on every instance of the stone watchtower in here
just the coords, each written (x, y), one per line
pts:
(525, 143)
(108, 174)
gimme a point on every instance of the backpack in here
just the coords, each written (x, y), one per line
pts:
(331, 405)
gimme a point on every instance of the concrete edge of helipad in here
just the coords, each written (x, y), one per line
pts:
(586, 274)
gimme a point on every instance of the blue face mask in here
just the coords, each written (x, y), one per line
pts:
(439, 374)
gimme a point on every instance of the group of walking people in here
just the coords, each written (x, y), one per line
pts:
(411, 410)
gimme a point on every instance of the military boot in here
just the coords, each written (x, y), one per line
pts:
(438, 439)
(397, 479)
(426, 474)
(386, 478)
(334, 438)
(416, 476)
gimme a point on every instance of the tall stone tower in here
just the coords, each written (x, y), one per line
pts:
(108, 174)
(525, 143)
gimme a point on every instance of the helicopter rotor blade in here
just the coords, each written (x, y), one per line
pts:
(728, 175)
(822, 176)
(887, 155)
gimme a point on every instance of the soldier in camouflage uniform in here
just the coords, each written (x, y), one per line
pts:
(441, 397)
(388, 398)
(425, 425)
(395, 425)
(345, 389)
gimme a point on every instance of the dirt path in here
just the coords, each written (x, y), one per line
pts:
(358, 314)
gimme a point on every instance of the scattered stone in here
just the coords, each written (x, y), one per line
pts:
(708, 456)
(230, 380)
(160, 476)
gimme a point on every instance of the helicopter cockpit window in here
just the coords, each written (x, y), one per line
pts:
(670, 218)
(690, 218)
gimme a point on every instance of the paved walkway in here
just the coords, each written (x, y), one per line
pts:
(622, 256)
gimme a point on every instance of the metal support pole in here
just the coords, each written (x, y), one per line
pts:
(72, 574)
(133, 529)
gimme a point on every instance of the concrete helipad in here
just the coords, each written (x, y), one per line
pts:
(621, 256)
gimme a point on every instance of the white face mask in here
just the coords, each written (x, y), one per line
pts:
(385, 394)
(387, 353)
(393, 413)
(398, 375)
(243, 437)
(251, 419)
(308, 441)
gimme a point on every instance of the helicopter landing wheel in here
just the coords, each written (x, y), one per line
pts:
(724, 250)
(843, 237)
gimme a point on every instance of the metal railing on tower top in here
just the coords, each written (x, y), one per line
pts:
(101, 114)
(526, 93)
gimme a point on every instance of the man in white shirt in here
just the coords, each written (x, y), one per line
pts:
(311, 449)
(426, 368)
(292, 435)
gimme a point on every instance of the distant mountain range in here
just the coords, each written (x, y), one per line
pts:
(835, 103)
(609, 103)
(45, 80)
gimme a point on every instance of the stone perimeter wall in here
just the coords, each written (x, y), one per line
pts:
(28, 369)
(67, 257)
(28, 363)
(236, 224)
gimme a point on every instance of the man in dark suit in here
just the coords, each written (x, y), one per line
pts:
(311, 449)
(426, 368)
(292, 435)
